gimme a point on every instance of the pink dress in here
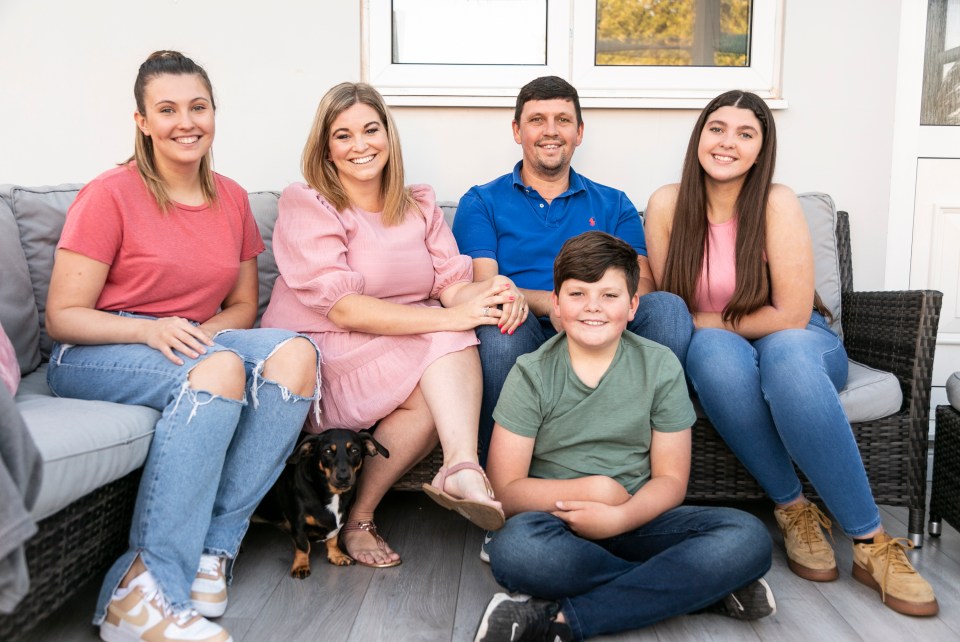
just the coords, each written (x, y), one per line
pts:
(324, 255)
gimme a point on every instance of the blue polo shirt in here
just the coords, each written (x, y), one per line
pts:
(509, 222)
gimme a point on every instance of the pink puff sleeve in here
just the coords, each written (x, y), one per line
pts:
(310, 244)
(450, 266)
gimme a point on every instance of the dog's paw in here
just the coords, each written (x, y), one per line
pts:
(300, 572)
(341, 560)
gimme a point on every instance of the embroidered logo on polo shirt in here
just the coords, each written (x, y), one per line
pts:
(593, 222)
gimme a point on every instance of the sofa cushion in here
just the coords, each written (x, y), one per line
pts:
(18, 308)
(264, 206)
(40, 213)
(449, 211)
(84, 444)
(953, 390)
(822, 219)
(870, 394)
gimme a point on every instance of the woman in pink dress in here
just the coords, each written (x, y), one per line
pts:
(370, 270)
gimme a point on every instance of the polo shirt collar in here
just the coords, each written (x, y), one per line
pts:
(576, 183)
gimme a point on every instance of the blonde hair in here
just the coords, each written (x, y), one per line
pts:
(158, 64)
(320, 172)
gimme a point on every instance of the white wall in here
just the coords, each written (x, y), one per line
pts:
(67, 70)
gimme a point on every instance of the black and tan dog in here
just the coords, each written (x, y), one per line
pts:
(315, 490)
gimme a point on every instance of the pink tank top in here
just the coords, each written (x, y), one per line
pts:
(719, 275)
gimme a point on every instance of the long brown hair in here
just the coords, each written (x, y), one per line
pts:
(320, 172)
(158, 64)
(688, 240)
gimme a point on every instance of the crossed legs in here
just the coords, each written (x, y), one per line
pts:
(445, 406)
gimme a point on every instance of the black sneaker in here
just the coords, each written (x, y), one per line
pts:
(752, 602)
(521, 618)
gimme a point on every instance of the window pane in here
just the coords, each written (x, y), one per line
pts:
(698, 33)
(470, 32)
(941, 65)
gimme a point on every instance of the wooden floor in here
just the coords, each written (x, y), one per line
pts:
(442, 587)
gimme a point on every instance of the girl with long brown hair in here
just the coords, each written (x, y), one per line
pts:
(763, 361)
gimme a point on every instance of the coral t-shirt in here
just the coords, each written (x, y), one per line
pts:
(180, 262)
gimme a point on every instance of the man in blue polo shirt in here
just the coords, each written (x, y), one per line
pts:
(516, 224)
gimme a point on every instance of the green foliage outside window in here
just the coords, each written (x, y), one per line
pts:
(664, 32)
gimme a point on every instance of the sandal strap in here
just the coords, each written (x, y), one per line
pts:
(360, 525)
(464, 465)
(364, 525)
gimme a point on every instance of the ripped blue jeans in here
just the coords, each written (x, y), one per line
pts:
(211, 459)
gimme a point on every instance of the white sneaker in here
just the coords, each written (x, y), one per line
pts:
(484, 555)
(141, 613)
(209, 588)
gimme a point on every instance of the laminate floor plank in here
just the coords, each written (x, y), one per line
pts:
(477, 586)
(418, 602)
(442, 587)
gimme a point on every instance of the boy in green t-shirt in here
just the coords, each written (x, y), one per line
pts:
(590, 457)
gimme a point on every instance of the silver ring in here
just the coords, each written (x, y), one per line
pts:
(485, 311)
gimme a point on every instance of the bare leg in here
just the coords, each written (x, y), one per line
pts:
(293, 366)
(452, 386)
(408, 433)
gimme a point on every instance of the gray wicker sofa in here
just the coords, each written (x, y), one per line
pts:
(92, 451)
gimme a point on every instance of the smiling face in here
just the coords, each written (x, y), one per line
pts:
(730, 142)
(549, 133)
(179, 119)
(358, 145)
(594, 315)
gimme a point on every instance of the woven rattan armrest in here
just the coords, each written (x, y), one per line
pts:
(895, 331)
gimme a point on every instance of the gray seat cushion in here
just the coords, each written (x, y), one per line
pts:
(18, 308)
(870, 393)
(40, 213)
(953, 390)
(84, 444)
(822, 219)
(264, 207)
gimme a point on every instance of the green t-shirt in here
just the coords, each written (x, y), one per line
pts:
(582, 431)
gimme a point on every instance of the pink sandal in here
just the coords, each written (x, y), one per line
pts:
(485, 516)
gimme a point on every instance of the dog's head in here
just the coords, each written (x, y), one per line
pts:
(337, 455)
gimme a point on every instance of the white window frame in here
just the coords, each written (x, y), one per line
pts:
(570, 54)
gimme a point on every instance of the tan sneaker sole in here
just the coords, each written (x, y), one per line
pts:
(813, 574)
(920, 609)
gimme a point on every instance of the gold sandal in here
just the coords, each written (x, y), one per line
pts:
(368, 526)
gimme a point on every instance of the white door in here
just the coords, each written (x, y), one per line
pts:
(935, 261)
(935, 256)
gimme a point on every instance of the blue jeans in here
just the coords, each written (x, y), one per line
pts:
(660, 317)
(683, 561)
(211, 459)
(775, 402)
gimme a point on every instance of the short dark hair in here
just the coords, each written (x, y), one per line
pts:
(547, 88)
(587, 257)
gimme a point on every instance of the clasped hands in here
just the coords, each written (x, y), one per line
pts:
(501, 304)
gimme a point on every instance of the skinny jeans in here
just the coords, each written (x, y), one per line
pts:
(775, 401)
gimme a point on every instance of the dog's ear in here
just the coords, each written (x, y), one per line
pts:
(304, 449)
(371, 445)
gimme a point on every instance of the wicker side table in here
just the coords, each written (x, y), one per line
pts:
(945, 495)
